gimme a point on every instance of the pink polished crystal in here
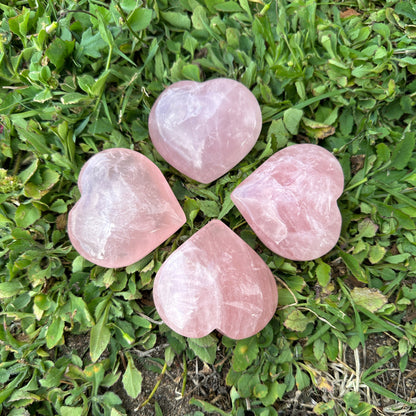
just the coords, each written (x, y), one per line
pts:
(126, 209)
(290, 201)
(205, 129)
(215, 281)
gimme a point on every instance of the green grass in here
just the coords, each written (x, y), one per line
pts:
(77, 77)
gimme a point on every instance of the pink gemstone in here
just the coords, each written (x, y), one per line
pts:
(205, 129)
(290, 201)
(215, 281)
(126, 210)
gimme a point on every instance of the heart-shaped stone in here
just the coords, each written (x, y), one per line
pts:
(290, 201)
(215, 280)
(204, 129)
(126, 209)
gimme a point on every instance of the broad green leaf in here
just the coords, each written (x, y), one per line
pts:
(362, 70)
(110, 399)
(383, 392)
(383, 152)
(158, 410)
(85, 82)
(249, 76)
(53, 377)
(73, 98)
(226, 206)
(260, 391)
(54, 332)
(407, 9)
(376, 253)
(291, 119)
(4, 376)
(35, 140)
(58, 51)
(59, 206)
(316, 129)
(94, 373)
(43, 96)
(132, 379)
(367, 228)
(10, 289)
(354, 267)
(245, 352)
(297, 321)
(403, 151)
(90, 44)
(302, 379)
(19, 24)
(246, 7)
(322, 408)
(26, 174)
(11, 387)
(318, 348)
(26, 215)
(382, 29)
(398, 258)
(246, 383)
(81, 312)
(275, 391)
(208, 407)
(205, 348)
(71, 411)
(233, 37)
(128, 5)
(323, 274)
(140, 19)
(411, 179)
(100, 336)
(41, 183)
(191, 208)
(278, 133)
(199, 18)
(371, 299)
(209, 208)
(99, 85)
(228, 7)
(191, 72)
(179, 20)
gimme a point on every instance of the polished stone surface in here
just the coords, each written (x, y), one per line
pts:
(215, 281)
(126, 209)
(290, 201)
(204, 129)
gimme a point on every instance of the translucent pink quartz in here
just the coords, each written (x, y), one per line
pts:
(215, 281)
(205, 129)
(126, 209)
(290, 201)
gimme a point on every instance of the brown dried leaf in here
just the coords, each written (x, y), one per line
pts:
(61, 222)
(349, 12)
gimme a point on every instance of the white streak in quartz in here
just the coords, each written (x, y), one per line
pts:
(215, 280)
(290, 201)
(204, 129)
(183, 312)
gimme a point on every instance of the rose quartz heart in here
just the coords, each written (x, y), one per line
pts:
(126, 210)
(205, 129)
(215, 281)
(290, 201)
